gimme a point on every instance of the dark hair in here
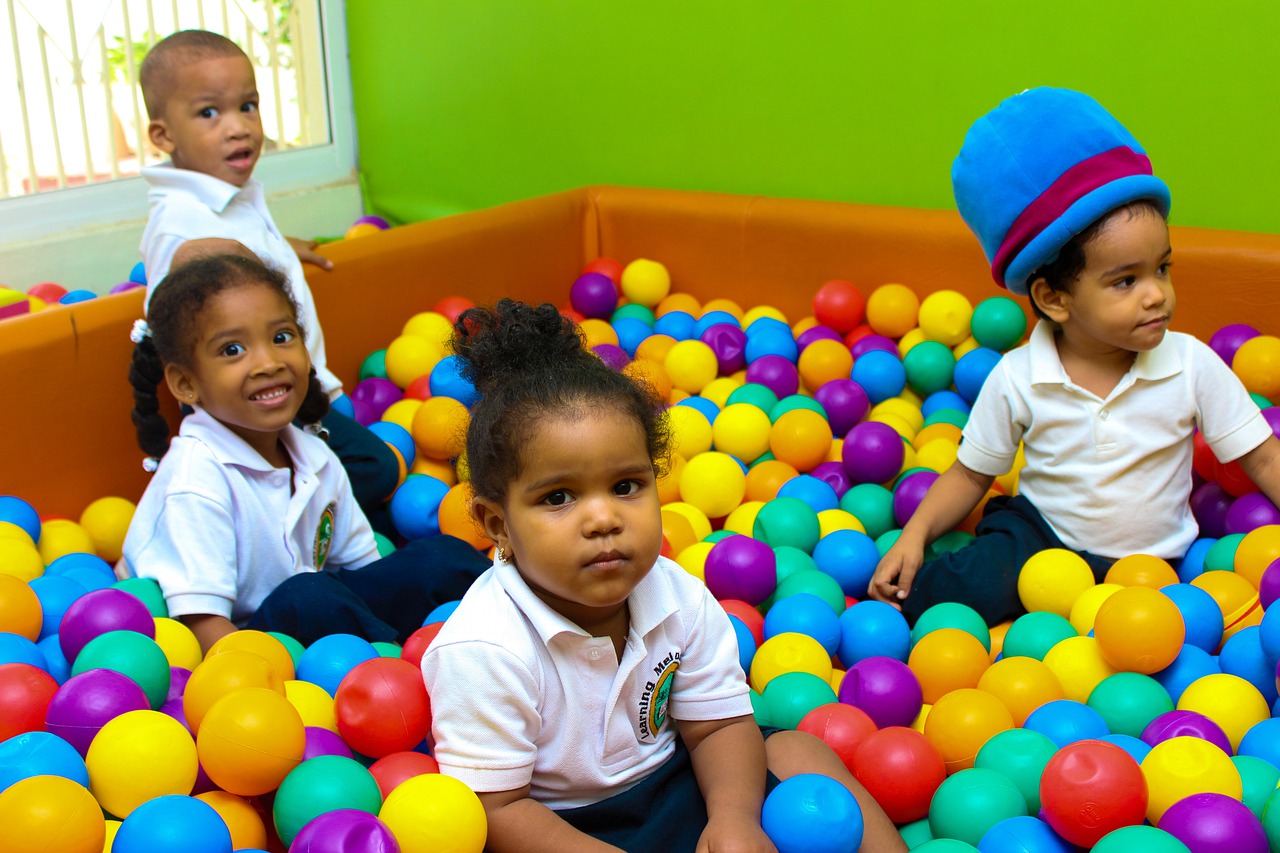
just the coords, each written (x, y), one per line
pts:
(1063, 271)
(175, 310)
(529, 364)
(160, 66)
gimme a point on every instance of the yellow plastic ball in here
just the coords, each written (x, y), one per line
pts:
(20, 559)
(742, 430)
(758, 311)
(694, 559)
(722, 303)
(1182, 766)
(691, 365)
(1022, 684)
(714, 483)
(801, 438)
(9, 530)
(947, 659)
(106, 520)
(241, 818)
(678, 531)
(50, 814)
(945, 317)
(1085, 610)
(431, 325)
(260, 643)
(646, 282)
(180, 646)
(892, 310)
(598, 332)
(823, 361)
(62, 536)
(361, 229)
(313, 704)
(669, 481)
(138, 756)
(411, 356)
(961, 721)
(937, 455)
(743, 519)
(440, 427)
(1257, 363)
(1236, 597)
(1139, 629)
(221, 674)
(1141, 570)
(788, 652)
(249, 741)
(434, 813)
(1052, 580)
(1256, 551)
(906, 409)
(719, 389)
(696, 517)
(1079, 666)
(900, 425)
(909, 340)
(1233, 703)
(968, 345)
(691, 432)
(934, 432)
(831, 520)
(401, 412)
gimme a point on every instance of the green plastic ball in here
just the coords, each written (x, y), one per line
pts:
(929, 366)
(374, 364)
(952, 541)
(1147, 839)
(1019, 755)
(945, 845)
(717, 535)
(1259, 400)
(1128, 701)
(1259, 777)
(387, 650)
(132, 654)
(793, 694)
(148, 592)
(872, 504)
(323, 784)
(760, 396)
(294, 646)
(634, 311)
(972, 801)
(813, 582)
(385, 545)
(954, 417)
(788, 521)
(1033, 634)
(760, 710)
(1221, 555)
(998, 323)
(952, 614)
(793, 402)
(915, 833)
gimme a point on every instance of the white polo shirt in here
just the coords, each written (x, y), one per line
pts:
(521, 695)
(189, 205)
(1111, 476)
(218, 528)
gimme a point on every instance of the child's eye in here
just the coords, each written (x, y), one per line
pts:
(249, 107)
(284, 336)
(626, 488)
(232, 350)
(1164, 268)
(208, 112)
(557, 498)
(1127, 281)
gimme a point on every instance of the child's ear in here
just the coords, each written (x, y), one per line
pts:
(1052, 302)
(158, 133)
(181, 384)
(492, 519)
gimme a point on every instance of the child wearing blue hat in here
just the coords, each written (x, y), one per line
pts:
(1103, 398)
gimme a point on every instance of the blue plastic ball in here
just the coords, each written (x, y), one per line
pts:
(873, 629)
(79, 295)
(17, 511)
(1200, 613)
(15, 648)
(811, 813)
(1269, 635)
(343, 405)
(746, 642)
(849, 556)
(708, 407)
(804, 613)
(946, 399)
(1066, 721)
(972, 370)
(327, 661)
(415, 506)
(138, 273)
(398, 437)
(880, 374)
(772, 341)
(1262, 740)
(56, 594)
(714, 318)
(447, 381)
(1024, 834)
(1192, 565)
(441, 612)
(816, 493)
(676, 324)
(1137, 747)
(173, 824)
(40, 754)
(1242, 655)
(59, 667)
(631, 333)
(1191, 663)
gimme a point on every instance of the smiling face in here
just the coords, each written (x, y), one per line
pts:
(582, 521)
(249, 367)
(210, 122)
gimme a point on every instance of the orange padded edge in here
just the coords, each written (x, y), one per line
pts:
(65, 434)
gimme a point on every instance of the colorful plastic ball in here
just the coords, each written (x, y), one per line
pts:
(1148, 839)
(789, 653)
(945, 317)
(740, 567)
(313, 704)
(776, 373)
(1066, 721)
(1250, 512)
(1209, 505)
(801, 438)
(817, 493)
(39, 754)
(812, 813)
(961, 721)
(15, 648)
(791, 695)
(415, 507)
(881, 374)
(787, 522)
(1090, 788)
(841, 727)
(42, 814)
(242, 819)
(1023, 684)
(320, 741)
(21, 608)
(713, 482)
(1244, 656)
(945, 845)
(1128, 702)
(850, 557)
(929, 367)
(17, 511)
(97, 612)
(972, 370)
(1200, 614)
(872, 453)
(1227, 339)
(219, 675)
(138, 756)
(1183, 766)
(871, 504)
(344, 831)
(947, 659)
(646, 282)
(1214, 823)
(1228, 700)
(381, 707)
(885, 688)
(1183, 723)
(1257, 363)
(321, 785)
(88, 701)
(106, 520)
(908, 494)
(804, 614)
(173, 824)
(435, 814)
(742, 430)
(133, 654)
(1139, 630)
(1020, 755)
(90, 570)
(54, 662)
(593, 294)
(775, 341)
(892, 310)
(1192, 663)
(998, 323)
(871, 628)
(840, 305)
(250, 740)
(972, 801)
(390, 770)
(1052, 580)
(1263, 741)
(729, 345)
(1022, 834)
(797, 577)
(1259, 779)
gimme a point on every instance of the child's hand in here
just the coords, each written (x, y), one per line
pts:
(727, 835)
(306, 252)
(897, 569)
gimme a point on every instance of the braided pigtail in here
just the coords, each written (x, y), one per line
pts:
(146, 372)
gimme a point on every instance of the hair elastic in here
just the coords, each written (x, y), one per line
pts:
(140, 331)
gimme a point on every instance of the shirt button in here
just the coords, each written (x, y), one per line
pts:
(1105, 414)
(594, 654)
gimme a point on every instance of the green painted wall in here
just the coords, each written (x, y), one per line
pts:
(462, 105)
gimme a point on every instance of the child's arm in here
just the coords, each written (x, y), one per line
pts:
(208, 628)
(949, 500)
(306, 252)
(1262, 464)
(728, 760)
(520, 823)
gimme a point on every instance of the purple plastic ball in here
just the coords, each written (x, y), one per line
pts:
(88, 701)
(594, 294)
(1249, 512)
(377, 393)
(1269, 586)
(742, 568)
(178, 678)
(1272, 416)
(833, 474)
(97, 612)
(1214, 823)
(344, 831)
(845, 402)
(321, 741)
(362, 413)
(1173, 724)
(375, 221)
(867, 343)
(613, 355)
(125, 285)
(817, 333)
(729, 343)
(872, 453)
(776, 373)
(1210, 504)
(1229, 338)
(885, 688)
(909, 493)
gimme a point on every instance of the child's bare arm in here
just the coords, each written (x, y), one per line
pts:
(729, 762)
(519, 823)
(1262, 464)
(949, 500)
(208, 628)
(306, 252)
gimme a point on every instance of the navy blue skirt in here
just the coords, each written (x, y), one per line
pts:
(664, 812)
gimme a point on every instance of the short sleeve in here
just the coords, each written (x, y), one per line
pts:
(1228, 418)
(710, 683)
(191, 554)
(992, 433)
(485, 718)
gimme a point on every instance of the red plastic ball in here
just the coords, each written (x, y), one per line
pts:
(416, 646)
(840, 305)
(605, 266)
(1202, 458)
(752, 618)
(901, 769)
(1233, 479)
(381, 707)
(25, 693)
(419, 389)
(841, 727)
(452, 306)
(1090, 788)
(390, 770)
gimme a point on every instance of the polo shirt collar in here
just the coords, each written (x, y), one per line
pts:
(212, 192)
(1046, 367)
(230, 449)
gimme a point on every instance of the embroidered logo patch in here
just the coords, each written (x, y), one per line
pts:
(657, 693)
(324, 537)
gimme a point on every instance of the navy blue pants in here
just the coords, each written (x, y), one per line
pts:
(984, 573)
(371, 466)
(384, 601)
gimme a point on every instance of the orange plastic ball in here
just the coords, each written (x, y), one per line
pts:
(947, 659)
(456, 518)
(260, 643)
(1139, 629)
(822, 361)
(960, 722)
(220, 674)
(20, 610)
(801, 438)
(1022, 684)
(440, 427)
(249, 741)
(893, 310)
(1258, 549)
(246, 825)
(1142, 570)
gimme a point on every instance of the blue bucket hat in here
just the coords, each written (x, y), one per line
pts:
(1039, 169)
